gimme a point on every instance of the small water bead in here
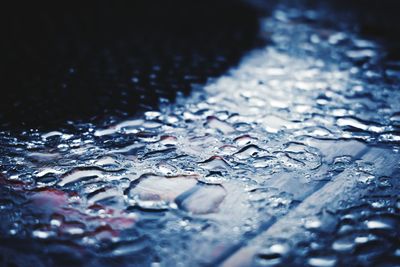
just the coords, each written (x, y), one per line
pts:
(46, 180)
(79, 175)
(51, 135)
(156, 192)
(203, 199)
(267, 161)
(295, 147)
(201, 144)
(43, 234)
(171, 119)
(43, 157)
(291, 160)
(344, 244)
(151, 124)
(273, 255)
(133, 149)
(395, 118)
(215, 163)
(63, 147)
(328, 261)
(312, 223)
(147, 136)
(384, 182)
(151, 115)
(244, 140)
(73, 228)
(242, 127)
(337, 38)
(340, 163)
(222, 126)
(103, 195)
(48, 171)
(56, 220)
(384, 222)
(168, 140)
(166, 169)
(342, 122)
(125, 126)
(126, 248)
(364, 54)
(365, 178)
(248, 152)
(274, 124)
(381, 203)
(390, 137)
(214, 177)
(365, 166)
(226, 150)
(108, 163)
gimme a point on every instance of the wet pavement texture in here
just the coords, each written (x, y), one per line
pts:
(290, 158)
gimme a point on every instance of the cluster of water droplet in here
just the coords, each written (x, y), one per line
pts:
(184, 183)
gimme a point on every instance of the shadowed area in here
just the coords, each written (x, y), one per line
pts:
(66, 61)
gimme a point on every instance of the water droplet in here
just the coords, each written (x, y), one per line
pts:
(248, 152)
(322, 261)
(215, 163)
(157, 192)
(222, 126)
(79, 175)
(203, 199)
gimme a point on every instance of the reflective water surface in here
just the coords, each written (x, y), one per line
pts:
(291, 158)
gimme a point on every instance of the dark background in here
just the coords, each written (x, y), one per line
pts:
(88, 60)
(82, 61)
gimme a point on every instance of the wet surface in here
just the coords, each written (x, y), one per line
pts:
(290, 158)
